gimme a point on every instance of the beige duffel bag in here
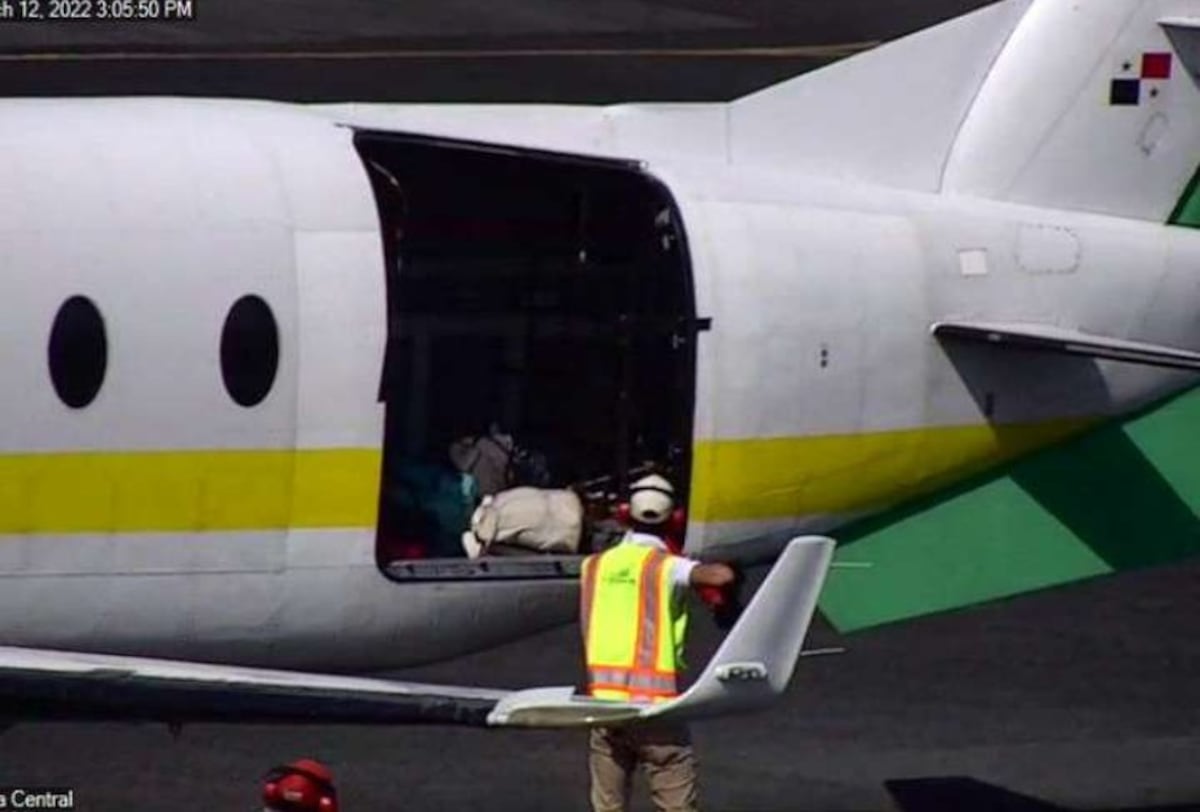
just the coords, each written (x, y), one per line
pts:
(541, 520)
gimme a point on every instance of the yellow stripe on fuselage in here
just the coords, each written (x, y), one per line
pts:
(780, 477)
(164, 491)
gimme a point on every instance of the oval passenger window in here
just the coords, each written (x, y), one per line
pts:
(249, 350)
(78, 352)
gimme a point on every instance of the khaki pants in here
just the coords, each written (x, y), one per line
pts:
(665, 753)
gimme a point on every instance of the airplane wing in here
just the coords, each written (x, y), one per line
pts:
(1049, 338)
(43, 684)
(751, 668)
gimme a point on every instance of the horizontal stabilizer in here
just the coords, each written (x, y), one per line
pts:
(749, 671)
(1049, 338)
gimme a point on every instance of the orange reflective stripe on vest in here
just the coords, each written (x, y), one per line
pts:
(648, 615)
(587, 590)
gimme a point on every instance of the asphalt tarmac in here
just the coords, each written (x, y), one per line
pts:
(450, 50)
(1084, 697)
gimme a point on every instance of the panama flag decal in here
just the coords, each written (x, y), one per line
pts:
(1140, 79)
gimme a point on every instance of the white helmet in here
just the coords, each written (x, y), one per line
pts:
(651, 500)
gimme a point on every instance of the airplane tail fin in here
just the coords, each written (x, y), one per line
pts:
(1087, 106)
(1090, 106)
(751, 668)
(887, 116)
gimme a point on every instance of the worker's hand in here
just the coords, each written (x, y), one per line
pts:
(716, 575)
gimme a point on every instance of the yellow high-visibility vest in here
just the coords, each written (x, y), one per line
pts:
(632, 627)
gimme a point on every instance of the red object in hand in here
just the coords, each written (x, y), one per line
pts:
(673, 530)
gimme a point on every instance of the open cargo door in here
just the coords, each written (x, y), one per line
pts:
(541, 315)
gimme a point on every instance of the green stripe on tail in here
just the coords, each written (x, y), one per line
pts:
(1187, 210)
(1122, 497)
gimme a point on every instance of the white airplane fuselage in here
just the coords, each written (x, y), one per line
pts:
(164, 519)
(179, 488)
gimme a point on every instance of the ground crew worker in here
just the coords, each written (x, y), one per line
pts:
(303, 785)
(633, 617)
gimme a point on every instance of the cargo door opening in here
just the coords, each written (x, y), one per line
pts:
(541, 315)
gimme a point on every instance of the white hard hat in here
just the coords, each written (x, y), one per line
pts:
(651, 499)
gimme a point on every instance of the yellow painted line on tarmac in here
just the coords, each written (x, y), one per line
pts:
(830, 51)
